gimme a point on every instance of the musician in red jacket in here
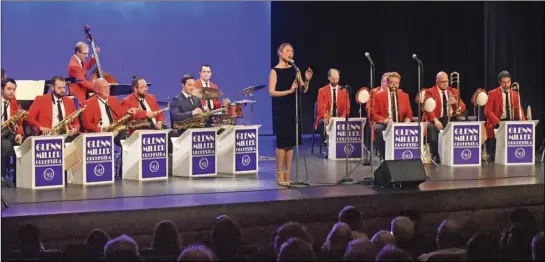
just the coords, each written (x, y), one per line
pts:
(9, 139)
(102, 111)
(388, 107)
(145, 104)
(48, 110)
(503, 105)
(446, 99)
(204, 81)
(77, 68)
(331, 100)
(383, 87)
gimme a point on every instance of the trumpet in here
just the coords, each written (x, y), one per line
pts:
(327, 116)
(455, 79)
(516, 87)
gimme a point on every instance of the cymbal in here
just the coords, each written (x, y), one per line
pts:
(207, 93)
(245, 101)
(251, 89)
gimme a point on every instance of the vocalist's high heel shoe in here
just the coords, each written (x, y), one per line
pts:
(287, 178)
(280, 178)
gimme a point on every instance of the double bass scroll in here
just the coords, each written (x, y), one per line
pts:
(99, 73)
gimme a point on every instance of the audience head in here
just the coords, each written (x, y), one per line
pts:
(79, 252)
(337, 240)
(289, 230)
(122, 248)
(524, 217)
(448, 234)
(296, 249)
(519, 240)
(197, 253)
(30, 239)
(166, 237)
(383, 238)
(391, 253)
(361, 250)
(97, 239)
(351, 216)
(225, 237)
(537, 247)
(483, 247)
(402, 228)
(414, 215)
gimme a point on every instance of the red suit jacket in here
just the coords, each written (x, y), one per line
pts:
(82, 85)
(217, 103)
(91, 116)
(494, 108)
(371, 95)
(13, 108)
(435, 93)
(131, 102)
(325, 103)
(381, 108)
(40, 113)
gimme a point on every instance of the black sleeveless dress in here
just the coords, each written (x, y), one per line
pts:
(284, 110)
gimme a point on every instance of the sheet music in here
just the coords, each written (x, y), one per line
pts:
(29, 89)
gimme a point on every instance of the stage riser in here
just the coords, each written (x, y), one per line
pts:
(485, 207)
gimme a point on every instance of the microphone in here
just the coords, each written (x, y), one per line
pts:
(292, 63)
(415, 57)
(369, 58)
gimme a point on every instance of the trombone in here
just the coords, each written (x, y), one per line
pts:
(455, 79)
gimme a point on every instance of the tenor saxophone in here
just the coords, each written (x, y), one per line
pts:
(143, 122)
(10, 125)
(197, 121)
(327, 116)
(63, 126)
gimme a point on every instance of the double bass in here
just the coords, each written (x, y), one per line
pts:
(98, 73)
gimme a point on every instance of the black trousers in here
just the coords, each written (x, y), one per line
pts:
(8, 141)
(379, 139)
(433, 136)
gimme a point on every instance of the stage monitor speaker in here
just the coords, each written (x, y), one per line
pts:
(400, 174)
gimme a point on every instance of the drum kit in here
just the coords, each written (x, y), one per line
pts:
(234, 110)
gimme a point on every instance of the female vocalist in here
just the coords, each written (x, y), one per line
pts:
(284, 79)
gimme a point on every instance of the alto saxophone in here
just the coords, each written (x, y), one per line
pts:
(10, 125)
(197, 121)
(62, 126)
(144, 122)
(425, 154)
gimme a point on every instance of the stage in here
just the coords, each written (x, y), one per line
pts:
(259, 204)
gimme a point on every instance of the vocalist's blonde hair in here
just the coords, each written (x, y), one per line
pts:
(281, 47)
(394, 74)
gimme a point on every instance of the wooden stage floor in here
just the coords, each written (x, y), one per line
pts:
(322, 175)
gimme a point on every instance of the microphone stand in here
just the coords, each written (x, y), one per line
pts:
(297, 94)
(346, 178)
(370, 115)
(420, 66)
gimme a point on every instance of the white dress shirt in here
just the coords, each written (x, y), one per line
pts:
(104, 120)
(504, 112)
(337, 94)
(211, 104)
(79, 61)
(56, 119)
(148, 109)
(390, 114)
(8, 111)
(442, 102)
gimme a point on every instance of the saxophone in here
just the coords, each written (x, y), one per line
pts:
(11, 124)
(197, 121)
(144, 122)
(62, 126)
(425, 154)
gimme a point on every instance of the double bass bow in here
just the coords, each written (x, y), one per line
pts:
(98, 73)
